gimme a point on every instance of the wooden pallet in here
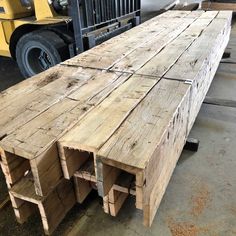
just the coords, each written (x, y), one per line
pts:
(125, 108)
(218, 6)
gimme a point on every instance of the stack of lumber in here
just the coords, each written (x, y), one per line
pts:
(114, 118)
(229, 5)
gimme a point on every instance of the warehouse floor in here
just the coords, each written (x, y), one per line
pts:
(200, 199)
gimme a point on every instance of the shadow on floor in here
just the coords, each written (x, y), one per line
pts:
(9, 73)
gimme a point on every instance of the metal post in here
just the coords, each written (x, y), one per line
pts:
(74, 10)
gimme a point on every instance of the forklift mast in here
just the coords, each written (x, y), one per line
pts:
(95, 21)
(39, 34)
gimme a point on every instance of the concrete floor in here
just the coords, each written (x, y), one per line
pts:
(201, 196)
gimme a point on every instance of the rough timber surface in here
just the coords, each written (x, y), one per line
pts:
(82, 136)
(98, 125)
(126, 106)
(101, 57)
(34, 141)
(125, 148)
(32, 124)
(200, 62)
(148, 142)
(52, 208)
(166, 26)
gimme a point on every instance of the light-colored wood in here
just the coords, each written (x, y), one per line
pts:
(106, 205)
(138, 58)
(42, 131)
(109, 53)
(125, 183)
(57, 85)
(13, 166)
(52, 208)
(167, 154)
(116, 200)
(201, 51)
(82, 189)
(55, 207)
(71, 160)
(27, 86)
(119, 192)
(89, 137)
(200, 62)
(98, 126)
(36, 140)
(140, 138)
(87, 171)
(129, 144)
(106, 177)
(84, 180)
(173, 51)
(201, 86)
(156, 150)
(168, 40)
(110, 122)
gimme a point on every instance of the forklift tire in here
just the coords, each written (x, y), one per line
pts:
(39, 50)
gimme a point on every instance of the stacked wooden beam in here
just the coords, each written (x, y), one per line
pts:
(114, 118)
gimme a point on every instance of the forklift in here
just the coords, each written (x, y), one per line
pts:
(39, 34)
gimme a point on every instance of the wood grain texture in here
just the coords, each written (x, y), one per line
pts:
(107, 54)
(142, 137)
(134, 142)
(58, 118)
(99, 125)
(36, 140)
(195, 58)
(92, 131)
(164, 60)
(200, 62)
(52, 208)
(139, 57)
(137, 143)
(123, 186)
(27, 86)
(42, 94)
(125, 107)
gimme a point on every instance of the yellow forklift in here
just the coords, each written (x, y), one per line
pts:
(39, 34)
